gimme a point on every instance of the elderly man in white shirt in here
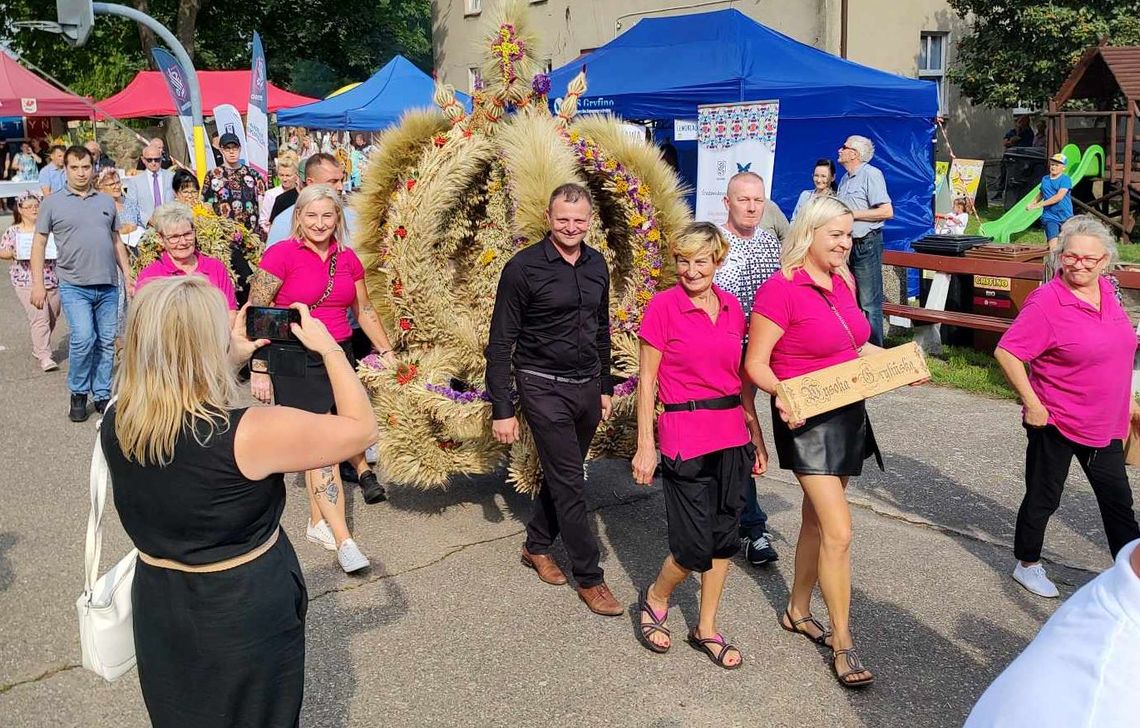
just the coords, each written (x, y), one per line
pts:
(1083, 668)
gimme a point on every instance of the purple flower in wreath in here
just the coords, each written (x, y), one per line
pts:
(541, 84)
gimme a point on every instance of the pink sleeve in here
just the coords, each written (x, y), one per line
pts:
(273, 261)
(1030, 334)
(149, 273)
(354, 265)
(773, 300)
(653, 325)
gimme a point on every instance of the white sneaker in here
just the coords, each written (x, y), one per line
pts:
(1033, 578)
(320, 533)
(49, 365)
(350, 557)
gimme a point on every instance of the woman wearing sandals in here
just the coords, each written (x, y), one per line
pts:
(691, 337)
(806, 319)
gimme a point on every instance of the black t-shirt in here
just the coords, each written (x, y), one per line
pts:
(284, 201)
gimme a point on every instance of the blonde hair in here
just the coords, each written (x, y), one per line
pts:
(701, 237)
(288, 159)
(311, 194)
(815, 214)
(174, 372)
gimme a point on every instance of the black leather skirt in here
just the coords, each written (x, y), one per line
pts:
(832, 443)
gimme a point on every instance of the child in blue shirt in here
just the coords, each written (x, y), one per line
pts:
(1055, 198)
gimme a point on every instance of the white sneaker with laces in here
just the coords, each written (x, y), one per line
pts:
(1033, 578)
(320, 534)
(49, 365)
(350, 557)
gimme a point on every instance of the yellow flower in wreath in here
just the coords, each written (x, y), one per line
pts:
(653, 235)
(487, 256)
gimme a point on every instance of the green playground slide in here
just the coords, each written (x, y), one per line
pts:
(1090, 164)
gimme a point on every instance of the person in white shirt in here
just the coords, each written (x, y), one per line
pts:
(953, 223)
(1083, 668)
(287, 172)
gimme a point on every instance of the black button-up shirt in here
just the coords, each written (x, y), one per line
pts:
(556, 318)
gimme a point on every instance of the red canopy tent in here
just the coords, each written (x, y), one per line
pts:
(146, 95)
(23, 93)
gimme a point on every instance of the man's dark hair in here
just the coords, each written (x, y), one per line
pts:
(571, 192)
(60, 147)
(76, 152)
(315, 161)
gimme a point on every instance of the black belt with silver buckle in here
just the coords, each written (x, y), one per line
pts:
(716, 403)
(555, 378)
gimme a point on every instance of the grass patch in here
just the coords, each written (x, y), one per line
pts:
(963, 368)
(1035, 235)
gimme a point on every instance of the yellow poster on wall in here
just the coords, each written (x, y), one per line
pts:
(965, 176)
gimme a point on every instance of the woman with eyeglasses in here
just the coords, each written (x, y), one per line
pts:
(186, 187)
(108, 182)
(1078, 344)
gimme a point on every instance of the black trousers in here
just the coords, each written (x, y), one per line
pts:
(1047, 460)
(704, 497)
(563, 418)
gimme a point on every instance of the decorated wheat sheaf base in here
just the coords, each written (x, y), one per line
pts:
(448, 198)
(214, 236)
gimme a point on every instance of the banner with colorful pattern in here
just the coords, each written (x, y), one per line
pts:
(733, 138)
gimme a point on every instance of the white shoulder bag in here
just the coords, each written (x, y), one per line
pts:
(106, 630)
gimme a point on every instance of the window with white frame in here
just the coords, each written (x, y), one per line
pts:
(473, 7)
(474, 79)
(932, 63)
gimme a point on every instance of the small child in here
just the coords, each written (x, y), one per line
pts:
(955, 222)
(1055, 198)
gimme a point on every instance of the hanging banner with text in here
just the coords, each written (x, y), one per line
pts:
(733, 138)
(179, 88)
(257, 114)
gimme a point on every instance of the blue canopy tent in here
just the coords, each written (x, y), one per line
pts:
(663, 68)
(375, 104)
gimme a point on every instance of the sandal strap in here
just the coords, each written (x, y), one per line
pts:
(854, 664)
(725, 646)
(649, 629)
(644, 606)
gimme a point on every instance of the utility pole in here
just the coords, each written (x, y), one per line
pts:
(75, 21)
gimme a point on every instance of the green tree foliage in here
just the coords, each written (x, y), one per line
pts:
(345, 40)
(1020, 51)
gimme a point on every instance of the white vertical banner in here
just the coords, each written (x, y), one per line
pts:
(732, 138)
(228, 121)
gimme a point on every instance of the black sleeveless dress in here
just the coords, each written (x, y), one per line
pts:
(224, 648)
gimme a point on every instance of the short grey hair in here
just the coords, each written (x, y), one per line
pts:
(1088, 226)
(746, 175)
(863, 146)
(170, 214)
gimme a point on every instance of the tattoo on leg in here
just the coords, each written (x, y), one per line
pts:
(326, 485)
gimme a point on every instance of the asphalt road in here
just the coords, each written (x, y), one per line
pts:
(448, 629)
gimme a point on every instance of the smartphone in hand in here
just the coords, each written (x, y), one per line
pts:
(268, 322)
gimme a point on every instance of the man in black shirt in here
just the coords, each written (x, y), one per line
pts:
(552, 311)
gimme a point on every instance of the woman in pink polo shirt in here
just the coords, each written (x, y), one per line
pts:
(314, 268)
(174, 223)
(691, 337)
(1079, 346)
(806, 318)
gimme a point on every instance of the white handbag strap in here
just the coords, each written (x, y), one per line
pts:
(99, 476)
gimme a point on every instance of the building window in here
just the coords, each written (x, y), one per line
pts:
(472, 7)
(932, 63)
(474, 79)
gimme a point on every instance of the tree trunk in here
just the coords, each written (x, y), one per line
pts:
(146, 37)
(187, 24)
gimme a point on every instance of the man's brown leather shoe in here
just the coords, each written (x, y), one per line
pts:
(600, 600)
(546, 567)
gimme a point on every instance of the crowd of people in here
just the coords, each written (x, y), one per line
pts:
(758, 300)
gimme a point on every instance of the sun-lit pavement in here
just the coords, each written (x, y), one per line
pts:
(449, 629)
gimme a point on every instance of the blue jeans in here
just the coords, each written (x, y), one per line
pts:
(867, 266)
(93, 315)
(753, 521)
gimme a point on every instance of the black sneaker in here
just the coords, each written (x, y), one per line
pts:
(78, 411)
(101, 405)
(348, 473)
(371, 488)
(759, 551)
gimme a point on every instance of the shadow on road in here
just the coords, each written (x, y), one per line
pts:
(486, 491)
(7, 573)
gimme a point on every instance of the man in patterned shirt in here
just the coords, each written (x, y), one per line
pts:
(753, 256)
(233, 188)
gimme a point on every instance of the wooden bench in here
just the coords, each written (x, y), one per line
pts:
(977, 321)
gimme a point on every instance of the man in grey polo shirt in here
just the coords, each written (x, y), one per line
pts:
(85, 225)
(865, 192)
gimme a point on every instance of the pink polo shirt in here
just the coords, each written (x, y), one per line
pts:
(213, 269)
(1080, 360)
(305, 275)
(813, 336)
(699, 360)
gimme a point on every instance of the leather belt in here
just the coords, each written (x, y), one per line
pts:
(224, 565)
(554, 378)
(716, 403)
